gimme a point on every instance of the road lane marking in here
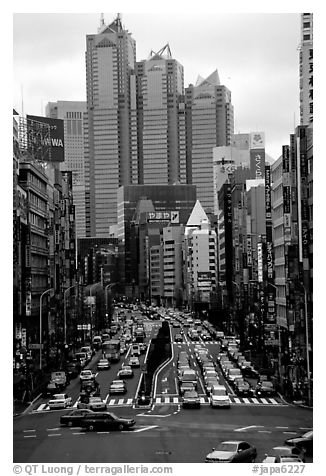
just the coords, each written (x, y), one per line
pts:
(41, 407)
(254, 400)
(237, 400)
(282, 427)
(102, 432)
(246, 400)
(157, 400)
(29, 436)
(145, 429)
(55, 434)
(289, 432)
(264, 431)
(248, 427)
(264, 401)
(79, 433)
(27, 431)
(111, 402)
(129, 401)
(52, 429)
(273, 401)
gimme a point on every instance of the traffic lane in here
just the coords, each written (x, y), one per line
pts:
(190, 433)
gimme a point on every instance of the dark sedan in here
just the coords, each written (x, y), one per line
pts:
(265, 389)
(107, 421)
(232, 452)
(74, 417)
(304, 442)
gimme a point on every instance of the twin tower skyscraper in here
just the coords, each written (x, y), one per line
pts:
(143, 127)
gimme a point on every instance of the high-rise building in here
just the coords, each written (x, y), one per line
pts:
(72, 114)
(209, 124)
(110, 124)
(161, 119)
(306, 69)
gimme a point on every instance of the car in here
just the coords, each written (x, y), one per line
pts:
(60, 400)
(303, 441)
(73, 417)
(242, 387)
(86, 375)
(126, 372)
(186, 387)
(282, 459)
(249, 371)
(143, 347)
(222, 355)
(95, 404)
(81, 357)
(265, 389)
(178, 338)
(135, 350)
(107, 421)
(219, 397)
(73, 369)
(285, 451)
(103, 364)
(210, 383)
(117, 386)
(97, 342)
(88, 351)
(232, 374)
(232, 452)
(134, 362)
(190, 399)
(209, 375)
(90, 388)
(226, 366)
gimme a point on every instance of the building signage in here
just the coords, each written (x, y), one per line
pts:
(45, 138)
(166, 217)
(269, 256)
(260, 262)
(286, 199)
(23, 337)
(268, 200)
(257, 140)
(18, 330)
(204, 276)
(249, 251)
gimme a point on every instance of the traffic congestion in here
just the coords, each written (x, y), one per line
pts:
(100, 389)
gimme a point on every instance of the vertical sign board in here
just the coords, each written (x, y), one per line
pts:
(260, 262)
(257, 155)
(269, 225)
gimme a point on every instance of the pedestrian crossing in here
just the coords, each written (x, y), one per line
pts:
(176, 400)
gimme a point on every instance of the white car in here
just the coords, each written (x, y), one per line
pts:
(103, 364)
(86, 375)
(134, 362)
(219, 397)
(60, 400)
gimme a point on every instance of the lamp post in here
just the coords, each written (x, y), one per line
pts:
(65, 314)
(91, 295)
(307, 340)
(43, 294)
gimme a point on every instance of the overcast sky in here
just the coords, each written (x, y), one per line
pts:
(255, 54)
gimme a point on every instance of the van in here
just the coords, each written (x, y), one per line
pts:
(97, 342)
(219, 397)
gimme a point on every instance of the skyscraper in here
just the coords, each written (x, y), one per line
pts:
(72, 113)
(209, 123)
(161, 119)
(111, 123)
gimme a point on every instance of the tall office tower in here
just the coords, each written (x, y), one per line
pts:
(161, 119)
(110, 125)
(306, 69)
(72, 114)
(209, 123)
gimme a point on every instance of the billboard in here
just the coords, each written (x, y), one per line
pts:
(260, 261)
(45, 138)
(257, 155)
(167, 217)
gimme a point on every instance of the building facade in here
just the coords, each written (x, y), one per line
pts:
(110, 123)
(72, 114)
(209, 124)
(161, 119)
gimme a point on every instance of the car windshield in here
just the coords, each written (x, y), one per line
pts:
(219, 392)
(234, 372)
(227, 447)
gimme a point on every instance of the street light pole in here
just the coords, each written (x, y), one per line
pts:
(106, 296)
(65, 314)
(43, 294)
(90, 294)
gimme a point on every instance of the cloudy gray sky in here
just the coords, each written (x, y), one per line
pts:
(255, 54)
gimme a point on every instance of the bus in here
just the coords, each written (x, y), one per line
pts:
(111, 350)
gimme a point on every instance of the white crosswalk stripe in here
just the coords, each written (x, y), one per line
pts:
(255, 400)
(264, 400)
(273, 401)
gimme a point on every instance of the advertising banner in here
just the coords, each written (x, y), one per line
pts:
(166, 217)
(268, 199)
(45, 138)
(249, 251)
(260, 262)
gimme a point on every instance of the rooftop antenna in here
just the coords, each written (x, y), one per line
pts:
(118, 20)
(102, 20)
